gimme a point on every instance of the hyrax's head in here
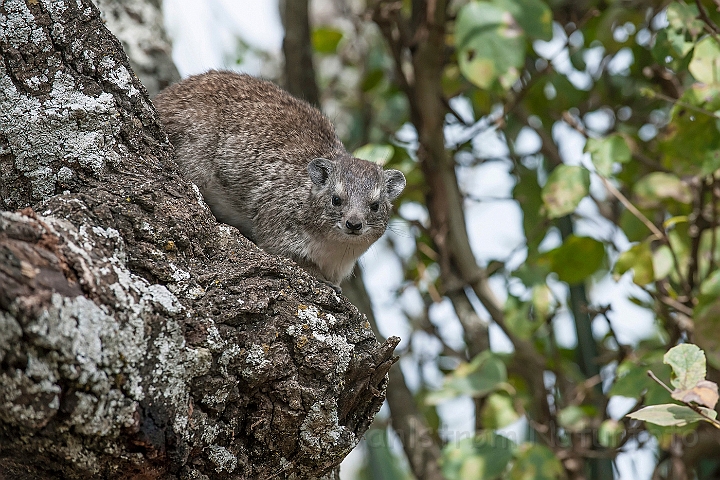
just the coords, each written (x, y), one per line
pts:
(353, 197)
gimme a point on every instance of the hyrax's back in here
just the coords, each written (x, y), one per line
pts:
(238, 137)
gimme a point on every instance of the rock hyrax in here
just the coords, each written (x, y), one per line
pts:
(272, 166)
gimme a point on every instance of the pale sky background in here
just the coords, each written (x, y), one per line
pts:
(205, 35)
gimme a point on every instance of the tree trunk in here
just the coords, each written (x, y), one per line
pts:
(138, 24)
(139, 338)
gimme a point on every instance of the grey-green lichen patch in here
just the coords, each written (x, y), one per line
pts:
(52, 136)
(198, 361)
(223, 460)
(321, 325)
(10, 332)
(100, 415)
(119, 76)
(217, 398)
(101, 350)
(15, 25)
(193, 474)
(228, 356)
(50, 139)
(322, 436)
(214, 340)
(35, 413)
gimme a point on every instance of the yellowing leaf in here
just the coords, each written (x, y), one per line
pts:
(705, 393)
(325, 40)
(610, 433)
(705, 63)
(566, 186)
(498, 411)
(638, 258)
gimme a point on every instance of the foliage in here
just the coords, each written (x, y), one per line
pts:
(691, 388)
(523, 83)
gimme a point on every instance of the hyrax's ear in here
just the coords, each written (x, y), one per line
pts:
(319, 170)
(395, 183)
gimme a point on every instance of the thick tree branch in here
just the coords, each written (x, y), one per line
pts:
(297, 50)
(137, 335)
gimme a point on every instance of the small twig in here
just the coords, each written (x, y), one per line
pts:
(713, 231)
(694, 407)
(662, 384)
(708, 21)
(680, 307)
(659, 234)
(683, 104)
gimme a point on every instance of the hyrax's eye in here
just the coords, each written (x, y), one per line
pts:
(336, 201)
(374, 206)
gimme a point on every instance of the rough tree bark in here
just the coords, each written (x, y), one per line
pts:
(139, 338)
(138, 24)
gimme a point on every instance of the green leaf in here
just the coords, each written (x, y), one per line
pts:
(705, 63)
(692, 145)
(517, 317)
(576, 259)
(652, 189)
(610, 433)
(632, 380)
(639, 258)
(325, 40)
(663, 262)
(498, 411)
(491, 49)
(573, 418)
(484, 457)
(566, 186)
(376, 153)
(711, 285)
(534, 16)
(684, 18)
(372, 79)
(606, 151)
(485, 374)
(382, 462)
(527, 193)
(536, 462)
(688, 364)
(542, 302)
(671, 415)
(633, 228)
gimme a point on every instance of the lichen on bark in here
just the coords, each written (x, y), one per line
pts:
(137, 335)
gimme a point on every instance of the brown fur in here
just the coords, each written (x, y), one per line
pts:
(270, 165)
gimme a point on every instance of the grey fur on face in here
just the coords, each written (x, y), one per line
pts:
(272, 166)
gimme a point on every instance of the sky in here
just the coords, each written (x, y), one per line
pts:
(205, 35)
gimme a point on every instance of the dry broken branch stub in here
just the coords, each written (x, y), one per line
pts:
(138, 335)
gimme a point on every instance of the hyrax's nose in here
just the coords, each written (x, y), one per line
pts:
(353, 226)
